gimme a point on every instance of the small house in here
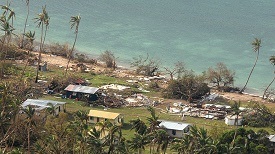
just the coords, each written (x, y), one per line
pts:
(99, 116)
(41, 106)
(232, 120)
(175, 129)
(43, 67)
(79, 91)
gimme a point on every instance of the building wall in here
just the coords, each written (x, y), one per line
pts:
(231, 122)
(175, 133)
(97, 119)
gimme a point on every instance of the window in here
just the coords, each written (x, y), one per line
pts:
(174, 132)
(91, 118)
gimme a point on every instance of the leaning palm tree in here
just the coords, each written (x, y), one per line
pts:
(256, 47)
(75, 20)
(26, 21)
(43, 20)
(272, 61)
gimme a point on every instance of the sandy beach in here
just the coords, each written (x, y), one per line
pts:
(62, 62)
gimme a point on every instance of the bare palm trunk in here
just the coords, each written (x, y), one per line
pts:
(2, 63)
(29, 141)
(235, 134)
(250, 72)
(25, 67)
(26, 21)
(70, 54)
(39, 57)
(268, 87)
(45, 34)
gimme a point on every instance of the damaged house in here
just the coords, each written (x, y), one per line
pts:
(79, 92)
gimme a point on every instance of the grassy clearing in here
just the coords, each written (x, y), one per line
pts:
(141, 112)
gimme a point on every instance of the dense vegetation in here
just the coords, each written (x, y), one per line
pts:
(70, 133)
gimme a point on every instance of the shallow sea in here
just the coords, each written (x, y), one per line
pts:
(199, 33)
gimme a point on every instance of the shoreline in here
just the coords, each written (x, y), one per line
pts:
(61, 61)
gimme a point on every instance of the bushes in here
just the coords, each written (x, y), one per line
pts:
(109, 59)
(189, 87)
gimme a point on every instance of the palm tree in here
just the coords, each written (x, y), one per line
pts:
(26, 21)
(153, 122)
(138, 142)
(42, 19)
(104, 127)
(272, 61)
(161, 138)
(95, 141)
(139, 126)
(115, 140)
(256, 47)
(8, 30)
(82, 116)
(183, 145)
(153, 119)
(75, 20)
(236, 112)
(29, 111)
(30, 37)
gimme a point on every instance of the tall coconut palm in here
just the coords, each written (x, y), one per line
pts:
(26, 21)
(256, 48)
(29, 111)
(43, 20)
(75, 20)
(236, 112)
(272, 61)
(30, 37)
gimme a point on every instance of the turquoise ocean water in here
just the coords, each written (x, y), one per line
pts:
(199, 32)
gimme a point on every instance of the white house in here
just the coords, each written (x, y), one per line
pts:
(175, 129)
(41, 105)
(231, 120)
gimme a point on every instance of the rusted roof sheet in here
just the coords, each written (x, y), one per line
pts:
(81, 89)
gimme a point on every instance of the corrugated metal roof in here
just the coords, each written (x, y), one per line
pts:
(40, 104)
(82, 89)
(173, 125)
(271, 138)
(103, 114)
